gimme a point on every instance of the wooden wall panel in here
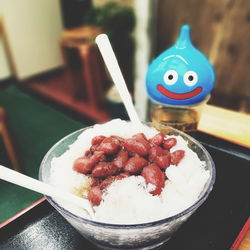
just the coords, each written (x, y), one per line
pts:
(220, 29)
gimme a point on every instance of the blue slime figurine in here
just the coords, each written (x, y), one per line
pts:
(181, 75)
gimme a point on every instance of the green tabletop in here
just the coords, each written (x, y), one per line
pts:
(35, 127)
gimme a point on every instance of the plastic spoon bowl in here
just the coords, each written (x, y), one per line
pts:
(43, 188)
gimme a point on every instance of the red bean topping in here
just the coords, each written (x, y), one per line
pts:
(153, 152)
(95, 195)
(165, 152)
(140, 147)
(177, 156)
(117, 138)
(163, 161)
(133, 154)
(81, 165)
(103, 158)
(96, 157)
(93, 148)
(169, 143)
(140, 136)
(97, 139)
(88, 153)
(107, 182)
(157, 139)
(95, 182)
(104, 169)
(135, 164)
(109, 146)
(85, 164)
(123, 175)
(121, 159)
(109, 156)
(155, 176)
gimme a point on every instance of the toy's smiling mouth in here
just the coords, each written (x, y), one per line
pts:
(178, 96)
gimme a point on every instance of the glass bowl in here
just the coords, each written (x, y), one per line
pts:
(136, 236)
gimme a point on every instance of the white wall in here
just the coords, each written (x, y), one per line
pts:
(5, 71)
(33, 29)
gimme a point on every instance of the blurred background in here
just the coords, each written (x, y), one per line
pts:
(45, 46)
(48, 56)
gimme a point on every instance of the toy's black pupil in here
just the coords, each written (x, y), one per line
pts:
(170, 77)
(190, 78)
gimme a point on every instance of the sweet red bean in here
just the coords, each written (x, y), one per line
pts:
(104, 169)
(85, 164)
(153, 152)
(93, 148)
(163, 161)
(140, 147)
(102, 158)
(155, 176)
(107, 182)
(117, 138)
(177, 156)
(165, 152)
(88, 153)
(132, 154)
(109, 146)
(123, 175)
(135, 164)
(140, 136)
(96, 157)
(95, 195)
(103, 162)
(121, 159)
(97, 139)
(95, 182)
(157, 139)
(82, 165)
(169, 143)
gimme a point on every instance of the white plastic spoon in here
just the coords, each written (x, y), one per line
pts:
(110, 60)
(43, 188)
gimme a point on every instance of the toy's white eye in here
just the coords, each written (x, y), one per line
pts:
(190, 78)
(170, 77)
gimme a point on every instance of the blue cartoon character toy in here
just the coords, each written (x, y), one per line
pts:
(181, 75)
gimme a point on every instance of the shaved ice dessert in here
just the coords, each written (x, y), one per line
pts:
(131, 173)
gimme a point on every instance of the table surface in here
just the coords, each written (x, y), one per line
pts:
(227, 124)
(232, 126)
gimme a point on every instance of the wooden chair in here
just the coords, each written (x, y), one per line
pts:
(93, 83)
(8, 141)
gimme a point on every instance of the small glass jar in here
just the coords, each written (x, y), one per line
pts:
(184, 118)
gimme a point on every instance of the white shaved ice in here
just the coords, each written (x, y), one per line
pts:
(128, 201)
